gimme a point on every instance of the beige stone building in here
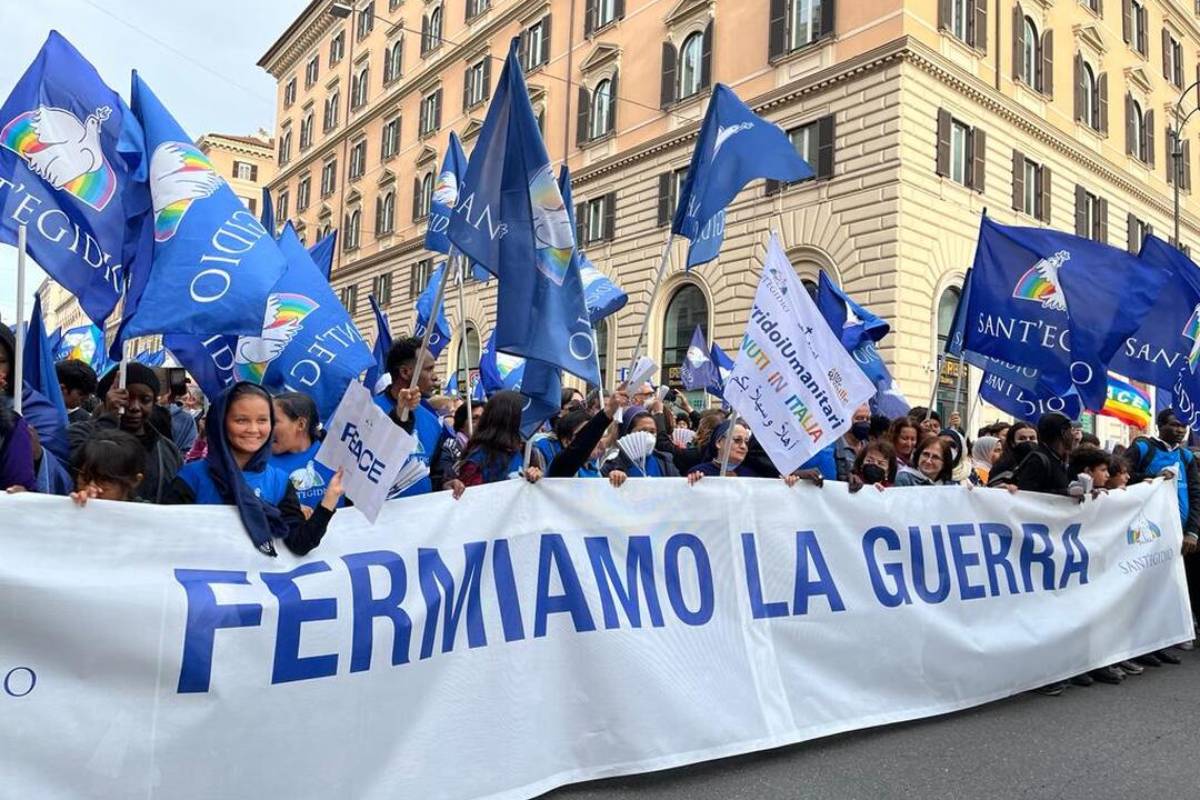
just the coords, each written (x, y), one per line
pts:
(916, 115)
(246, 162)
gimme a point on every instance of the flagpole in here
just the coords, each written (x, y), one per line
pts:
(662, 271)
(19, 355)
(937, 374)
(462, 327)
(962, 367)
(599, 369)
(429, 326)
(733, 421)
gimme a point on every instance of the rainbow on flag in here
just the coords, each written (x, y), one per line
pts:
(1128, 403)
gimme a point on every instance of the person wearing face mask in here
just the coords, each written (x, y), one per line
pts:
(657, 463)
(1044, 469)
(132, 410)
(1019, 442)
(851, 444)
(874, 466)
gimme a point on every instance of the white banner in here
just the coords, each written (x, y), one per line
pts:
(529, 636)
(792, 381)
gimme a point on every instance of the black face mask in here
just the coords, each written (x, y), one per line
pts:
(873, 473)
(1022, 449)
(860, 430)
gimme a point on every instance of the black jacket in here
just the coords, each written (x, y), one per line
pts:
(1042, 471)
(572, 458)
(162, 456)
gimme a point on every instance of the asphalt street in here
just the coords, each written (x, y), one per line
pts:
(1137, 740)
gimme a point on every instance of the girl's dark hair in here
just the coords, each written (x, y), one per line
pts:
(110, 454)
(298, 405)
(460, 418)
(1087, 457)
(1010, 438)
(947, 459)
(498, 433)
(1118, 464)
(566, 425)
(879, 426)
(884, 449)
(898, 425)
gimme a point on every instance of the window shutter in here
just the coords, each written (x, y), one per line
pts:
(487, 77)
(944, 14)
(777, 31)
(943, 142)
(416, 206)
(581, 116)
(706, 46)
(1018, 42)
(1079, 98)
(1148, 127)
(1046, 79)
(545, 59)
(827, 7)
(774, 186)
(978, 159)
(466, 101)
(1170, 157)
(1102, 101)
(1103, 211)
(1018, 181)
(1131, 242)
(437, 109)
(825, 128)
(1166, 53)
(425, 34)
(612, 102)
(1185, 180)
(589, 17)
(580, 223)
(254, 172)
(980, 29)
(378, 215)
(610, 215)
(1141, 42)
(664, 198)
(619, 9)
(1126, 20)
(668, 74)
(1044, 194)
(1129, 133)
(1081, 226)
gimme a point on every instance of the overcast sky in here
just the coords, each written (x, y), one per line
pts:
(200, 59)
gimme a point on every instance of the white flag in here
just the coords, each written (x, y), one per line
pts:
(792, 381)
(368, 447)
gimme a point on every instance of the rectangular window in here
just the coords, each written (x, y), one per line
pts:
(477, 7)
(606, 12)
(337, 48)
(281, 206)
(242, 170)
(349, 298)
(418, 277)
(329, 177)
(303, 190)
(804, 139)
(390, 144)
(475, 87)
(536, 44)
(381, 287)
(358, 159)
(1031, 195)
(1138, 230)
(289, 93)
(960, 19)
(431, 112)
(366, 20)
(805, 22)
(598, 219)
(312, 70)
(960, 158)
(1138, 26)
(1091, 215)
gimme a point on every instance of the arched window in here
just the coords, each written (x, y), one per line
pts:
(353, 227)
(393, 62)
(435, 28)
(601, 331)
(468, 358)
(426, 193)
(951, 388)
(1137, 129)
(601, 105)
(385, 213)
(1091, 114)
(690, 58)
(1029, 53)
(687, 309)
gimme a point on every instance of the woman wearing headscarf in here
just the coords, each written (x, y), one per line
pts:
(236, 472)
(960, 470)
(637, 453)
(294, 444)
(16, 443)
(984, 453)
(135, 410)
(735, 436)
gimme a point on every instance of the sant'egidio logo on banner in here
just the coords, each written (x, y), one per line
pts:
(1142, 531)
(1041, 284)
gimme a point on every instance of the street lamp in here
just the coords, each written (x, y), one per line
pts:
(1177, 147)
(340, 10)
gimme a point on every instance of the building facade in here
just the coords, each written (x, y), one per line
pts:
(915, 114)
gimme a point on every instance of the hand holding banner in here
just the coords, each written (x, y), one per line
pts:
(367, 447)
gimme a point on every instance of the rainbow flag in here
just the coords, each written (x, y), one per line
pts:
(1128, 403)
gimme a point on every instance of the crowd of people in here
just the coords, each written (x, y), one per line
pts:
(145, 442)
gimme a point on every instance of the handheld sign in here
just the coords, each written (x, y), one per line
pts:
(368, 447)
(643, 370)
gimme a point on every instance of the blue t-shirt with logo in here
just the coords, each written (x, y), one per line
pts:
(308, 477)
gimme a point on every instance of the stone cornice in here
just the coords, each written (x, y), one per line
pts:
(308, 29)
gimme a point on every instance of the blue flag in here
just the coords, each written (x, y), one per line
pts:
(602, 297)
(152, 358)
(266, 217)
(445, 196)
(1057, 303)
(698, 370)
(72, 171)
(441, 331)
(451, 389)
(853, 323)
(512, 219)
(383, 343)
(84, 343)
(1167, 338)
(735, 146)
(40, 376)
(322, 254)
(1026, 404)
(498, 371)
(214, 263)
(306, 342)
(541, 384)
(1025, 377)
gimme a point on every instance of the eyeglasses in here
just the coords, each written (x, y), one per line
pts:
(741, 440)
(929, 455)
